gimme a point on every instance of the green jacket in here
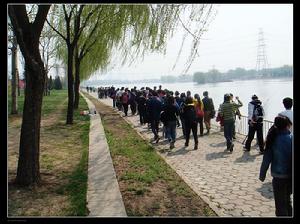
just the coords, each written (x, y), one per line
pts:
(228, 110)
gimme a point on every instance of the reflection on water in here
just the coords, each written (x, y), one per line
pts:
(270, 92)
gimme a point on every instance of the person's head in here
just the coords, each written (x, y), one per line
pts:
(154, 87)
(188, 93)
(189, 100)
(205, 93)
(170, 100)
(231, 96)
(182, 95)
(226, 97)
(254, 97)
(154, 93)
(288, 103)
(281, 123)
(176, 93)
(159, 86)
(196, 96)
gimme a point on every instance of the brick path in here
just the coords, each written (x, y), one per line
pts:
(228, 182)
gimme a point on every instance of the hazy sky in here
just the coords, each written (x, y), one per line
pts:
(231, 41)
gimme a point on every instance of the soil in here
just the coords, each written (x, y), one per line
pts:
(57, 160)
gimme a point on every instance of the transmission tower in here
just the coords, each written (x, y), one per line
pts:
(261, 62)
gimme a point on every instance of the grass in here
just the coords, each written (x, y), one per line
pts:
(63, 162)
(149, 186)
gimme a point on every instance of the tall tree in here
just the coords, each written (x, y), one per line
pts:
(130, 31)
(28, 34)
(14, 76)
(70, 30)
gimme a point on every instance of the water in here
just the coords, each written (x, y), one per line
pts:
(269, 91)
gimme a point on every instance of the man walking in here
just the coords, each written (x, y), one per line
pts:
(255, 121)
(209, 110)
(227, 111)
(154, 108)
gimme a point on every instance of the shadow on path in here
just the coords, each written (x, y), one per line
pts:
(246, 157)
(266, 190)
(217, 155)
(180, 151)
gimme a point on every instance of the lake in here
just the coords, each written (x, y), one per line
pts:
(269, 91)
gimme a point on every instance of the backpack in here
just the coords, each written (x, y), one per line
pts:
(199, 112)
(258, 113)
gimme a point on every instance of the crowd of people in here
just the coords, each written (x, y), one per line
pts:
(174, 109)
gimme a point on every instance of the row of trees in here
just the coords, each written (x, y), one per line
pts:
(85, 38)
(240, 73)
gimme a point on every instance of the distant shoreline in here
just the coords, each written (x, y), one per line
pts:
(119, 82)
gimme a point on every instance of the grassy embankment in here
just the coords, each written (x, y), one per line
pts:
(63, 161)
(148, 185)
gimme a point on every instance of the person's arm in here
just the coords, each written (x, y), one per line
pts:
(267, 158)
(250, 111)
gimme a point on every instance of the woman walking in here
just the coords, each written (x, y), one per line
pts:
(199, 112)
(278, 153)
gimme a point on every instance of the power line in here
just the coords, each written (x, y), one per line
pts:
(261, 61)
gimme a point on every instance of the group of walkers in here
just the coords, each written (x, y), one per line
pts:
(155, 106)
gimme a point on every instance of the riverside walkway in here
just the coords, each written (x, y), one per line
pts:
(228, 182)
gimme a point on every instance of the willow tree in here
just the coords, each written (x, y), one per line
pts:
(131, 30)
(28, 33)
(69, 26)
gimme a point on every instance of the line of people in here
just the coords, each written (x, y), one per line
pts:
(172, 110)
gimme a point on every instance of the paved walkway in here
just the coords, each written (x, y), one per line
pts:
(103, 194)
(228, 182)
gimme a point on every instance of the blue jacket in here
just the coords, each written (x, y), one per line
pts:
(154, 107)
(280, 157)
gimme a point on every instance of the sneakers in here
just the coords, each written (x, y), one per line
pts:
(186, 144)
(231, 148)
(196, 146)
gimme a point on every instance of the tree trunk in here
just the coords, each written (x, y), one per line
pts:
(28, 34)
(14, 67)
(18, 81)
(70, 85)
(77, 80)
(46, 92)
(28, 165)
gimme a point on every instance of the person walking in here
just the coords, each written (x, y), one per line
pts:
(190, 121)
(278, 153)
(255, 122)
(154, 107)
(124, 100)
(181, 104)
(209, 111)
(237, 113)
(171, 112)
(227, 111)
(199, 111)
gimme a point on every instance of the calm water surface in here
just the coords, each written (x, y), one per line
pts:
(269, 91)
